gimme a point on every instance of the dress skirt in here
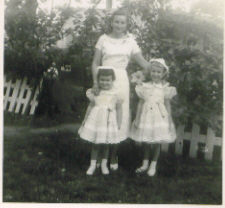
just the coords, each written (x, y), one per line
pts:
(100, 126)
(152, 127)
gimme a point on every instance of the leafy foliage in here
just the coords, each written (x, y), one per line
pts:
(30, 37)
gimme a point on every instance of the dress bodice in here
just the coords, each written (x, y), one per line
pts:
(117, 52)
(154, 95)
(105, 99)
(151, 93)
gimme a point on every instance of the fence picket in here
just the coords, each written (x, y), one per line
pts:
(179, 141)
(194, 141)
(34, 102)
(7, 86)
(209, 144)
(15, 87)
(18, 94)
(21, 100)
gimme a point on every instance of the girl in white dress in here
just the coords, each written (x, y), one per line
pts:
(103, 119)
(116, 49)
(153, 124)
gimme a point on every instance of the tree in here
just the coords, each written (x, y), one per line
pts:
(30, 37)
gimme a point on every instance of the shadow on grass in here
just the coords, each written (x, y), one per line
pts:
(51, 168)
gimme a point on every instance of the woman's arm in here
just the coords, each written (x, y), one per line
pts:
(138, 57)
(95, 63)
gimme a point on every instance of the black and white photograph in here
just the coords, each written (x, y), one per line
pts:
(112, 102)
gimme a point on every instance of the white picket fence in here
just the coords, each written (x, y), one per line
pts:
(17, 96)
(209, 141)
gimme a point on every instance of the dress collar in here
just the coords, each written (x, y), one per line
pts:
(127, 36)
(158, 85)
(108, 92)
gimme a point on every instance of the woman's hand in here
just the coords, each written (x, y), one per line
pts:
(147, 69)
(95, 89)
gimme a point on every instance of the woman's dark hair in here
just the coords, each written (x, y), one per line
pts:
(122, 12)
(106, 72)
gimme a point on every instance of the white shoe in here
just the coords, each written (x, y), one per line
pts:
(152, 169)
(114, 166)
(141, 169)
(91, 170)
(151, 172)
(104, 168)
(144, 167)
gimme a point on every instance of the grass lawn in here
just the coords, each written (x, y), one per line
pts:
(51, 168)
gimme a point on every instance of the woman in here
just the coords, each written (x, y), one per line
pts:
(116, 49)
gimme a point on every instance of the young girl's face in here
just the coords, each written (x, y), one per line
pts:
(105, 82)
(157, 72)
(119, 24)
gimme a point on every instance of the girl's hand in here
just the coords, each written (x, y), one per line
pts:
(137, 77)
(95, 89)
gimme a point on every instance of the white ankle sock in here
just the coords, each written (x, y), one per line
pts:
(152, 168)
(91, 168)
(153, 164)
(145, 163)
(93, 162)
(104, 167)
(104, 162)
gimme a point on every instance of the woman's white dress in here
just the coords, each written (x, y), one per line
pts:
(117, 53)
(100, 125)
(154, 124)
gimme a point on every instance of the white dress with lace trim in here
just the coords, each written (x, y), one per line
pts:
(100, 125)
(154, 124)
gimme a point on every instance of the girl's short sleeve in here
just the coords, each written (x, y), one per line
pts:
(90, 95)
(99, 43)
(170, 92)
(140, 91)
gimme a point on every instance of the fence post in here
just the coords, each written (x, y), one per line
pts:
(180, 140)
(194, 141)
(34, 101)
(209, 144)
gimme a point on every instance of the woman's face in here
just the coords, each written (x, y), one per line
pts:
(105, 82)
(119, 24)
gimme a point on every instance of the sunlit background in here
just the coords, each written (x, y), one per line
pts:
(184, 5)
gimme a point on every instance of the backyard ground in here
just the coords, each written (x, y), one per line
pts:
(49, 165)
